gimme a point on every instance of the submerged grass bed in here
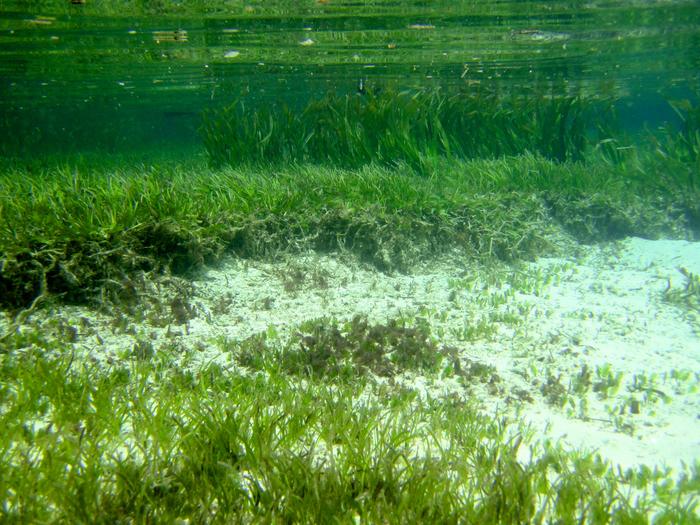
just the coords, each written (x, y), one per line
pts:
(405, 191)
(76, 232)
(305, 434)
(388, 127)
(151, 439)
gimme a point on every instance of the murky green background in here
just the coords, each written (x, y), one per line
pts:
(133, 76)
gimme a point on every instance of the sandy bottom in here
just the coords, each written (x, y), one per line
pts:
(586, 350)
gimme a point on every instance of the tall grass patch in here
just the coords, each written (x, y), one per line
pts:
(391, 127)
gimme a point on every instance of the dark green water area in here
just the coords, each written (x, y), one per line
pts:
(475, 124)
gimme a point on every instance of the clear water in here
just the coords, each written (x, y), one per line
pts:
(128, 75)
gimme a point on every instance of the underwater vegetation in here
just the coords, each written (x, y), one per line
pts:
(324, 348)
(678, 151)
(688, 140)
(391, 127)
(312, 430)
(104, 421)
(76, 234)
(687, 297)
(77, 230)
(150, 439)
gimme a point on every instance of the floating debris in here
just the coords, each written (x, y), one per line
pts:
(421, 26)
(307, 42)
(232, 54)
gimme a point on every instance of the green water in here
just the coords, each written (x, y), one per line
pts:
(135, 76)
(143, 141)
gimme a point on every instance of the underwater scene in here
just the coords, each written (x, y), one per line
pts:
(334, 261)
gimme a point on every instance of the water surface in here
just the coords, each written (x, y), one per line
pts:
(128, 75)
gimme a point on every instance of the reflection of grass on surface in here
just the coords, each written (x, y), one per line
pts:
(150, 439)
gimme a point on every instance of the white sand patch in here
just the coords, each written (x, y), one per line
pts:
(585, 350)
(625, 322)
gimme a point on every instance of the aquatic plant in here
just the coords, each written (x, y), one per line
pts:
(333, 350)
(688, 138)
(150, 440)
(392, 127)
(79, 230)
(382, 349)
(687, 297)
(666, 163)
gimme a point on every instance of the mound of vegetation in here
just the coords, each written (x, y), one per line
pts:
(75, 230)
